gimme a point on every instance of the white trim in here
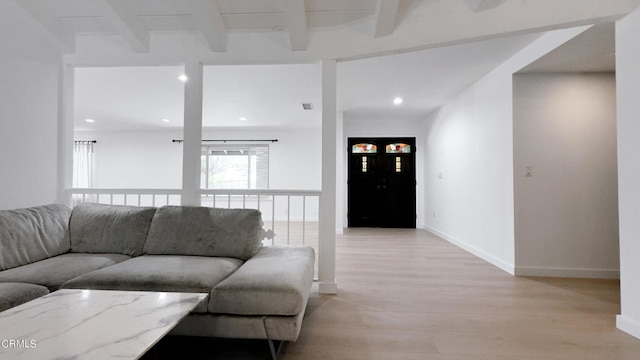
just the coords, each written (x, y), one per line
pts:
(330, 288)
(385, 17)
(567, 272)
(509, 268)
(125, 23)
(192, 131)
(627, 325)
(208, 19)
(327, 214)
(296, 19)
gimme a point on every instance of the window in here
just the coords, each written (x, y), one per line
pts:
(235, 167)
(398, 149)
(364, 148)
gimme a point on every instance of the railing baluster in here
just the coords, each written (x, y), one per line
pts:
(288, 219)
(273, 219)
(293, 235)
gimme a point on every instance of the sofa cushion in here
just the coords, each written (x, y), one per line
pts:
(160, 273)
(14, 294)
(276, 281)
(202, 231)
(32, 234)
(109, 229)
(55, 271)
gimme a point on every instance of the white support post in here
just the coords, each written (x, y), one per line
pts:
(327, 226)
(191, 147)
(341, 179)
(65, 133)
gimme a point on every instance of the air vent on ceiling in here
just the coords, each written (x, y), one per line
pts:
(307, 106)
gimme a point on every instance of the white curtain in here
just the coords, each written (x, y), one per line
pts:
(83, 164)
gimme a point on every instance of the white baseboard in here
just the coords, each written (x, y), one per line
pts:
(567, 272)
(629, 326)
(475, 251)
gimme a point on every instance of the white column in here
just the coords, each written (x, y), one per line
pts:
(341, 179)
(327, 227)
(192, 134)
(65, 133)
(627, 88)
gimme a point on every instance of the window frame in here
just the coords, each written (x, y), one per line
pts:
(206, 152)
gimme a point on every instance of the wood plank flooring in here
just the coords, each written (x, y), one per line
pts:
(407, 294)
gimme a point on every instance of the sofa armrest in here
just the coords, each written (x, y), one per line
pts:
(275, 281)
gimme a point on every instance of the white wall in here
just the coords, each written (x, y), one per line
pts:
(468, 163)
(136, 159)
(29, 69)
(149, 159)
(359, 127)
(628, 108)
(566, 211)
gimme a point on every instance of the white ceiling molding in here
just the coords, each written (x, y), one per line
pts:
(385, 18)
(296, 18)
(125, 23)
(208, 19)
(480, 5)
(62, 37)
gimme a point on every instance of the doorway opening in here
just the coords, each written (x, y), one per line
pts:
(381, 182)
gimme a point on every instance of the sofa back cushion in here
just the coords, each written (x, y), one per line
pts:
(202, 231)
(33, 234)
(109, 229)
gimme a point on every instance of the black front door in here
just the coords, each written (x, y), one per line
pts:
(382, 182)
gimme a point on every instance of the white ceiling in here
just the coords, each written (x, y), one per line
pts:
(591, 51)
(356, 32)
(272, 95)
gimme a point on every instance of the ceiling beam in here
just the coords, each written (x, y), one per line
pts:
(480, 5)
(125, 23)
(50, 27)
(208, 19)
(385, 18)
(296, 18)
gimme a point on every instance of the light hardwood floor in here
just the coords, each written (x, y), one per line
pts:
(407, 294)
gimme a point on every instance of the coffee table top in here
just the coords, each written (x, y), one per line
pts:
(92, 324)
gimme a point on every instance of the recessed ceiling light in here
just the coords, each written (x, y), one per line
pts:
(165, 120)
(183, 78)
(242, 119)
(398, 101)
(89, 120)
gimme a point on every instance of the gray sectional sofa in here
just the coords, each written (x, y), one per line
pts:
(255, 291)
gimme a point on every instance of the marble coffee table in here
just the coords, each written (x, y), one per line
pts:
(92, 324)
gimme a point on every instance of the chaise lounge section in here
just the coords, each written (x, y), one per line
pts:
(254, 291)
